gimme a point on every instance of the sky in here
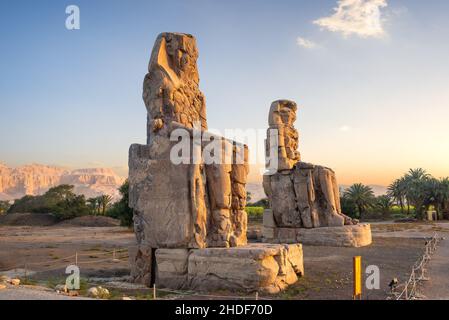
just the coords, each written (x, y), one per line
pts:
(371, 78)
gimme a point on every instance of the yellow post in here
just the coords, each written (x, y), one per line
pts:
(357, 261)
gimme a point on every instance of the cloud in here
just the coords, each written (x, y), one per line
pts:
(305, 43)
(345, 128)
(359, 17)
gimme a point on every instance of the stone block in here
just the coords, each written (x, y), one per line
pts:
(268, 219)
(140, 261)
(266, 268)
(345, 236)
(172, 268)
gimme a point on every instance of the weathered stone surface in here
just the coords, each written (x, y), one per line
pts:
(172, 268)
(140, 261)
(281, 118)
(345, 236)
(171, 87)
(196, 203)
(256, 267)
(301, 195)
(162, 212)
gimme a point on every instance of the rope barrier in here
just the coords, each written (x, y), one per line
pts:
(417, 274)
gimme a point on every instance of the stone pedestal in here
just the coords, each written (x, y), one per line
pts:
(345, 236)
(268, 268)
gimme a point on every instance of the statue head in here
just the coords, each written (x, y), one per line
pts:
(171, 88)
(281, 118)
(177, 55)
(282, 113)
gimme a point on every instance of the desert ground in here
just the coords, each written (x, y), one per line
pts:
(38, 255)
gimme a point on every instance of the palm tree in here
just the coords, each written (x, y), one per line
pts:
(444, 194)
(94, 205)
(362, 196)
(397, 191)
(104, 201)
(418, 184)
(383, 204)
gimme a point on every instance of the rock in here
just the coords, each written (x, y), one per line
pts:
(172, 267)
(140, 260)
(2, 286)
(256, 267)
(127, 298)
(4, 278)
(345, 236)
(61, 288)
(36, 179)
(103, 293)
(302, 195)
(15, 282)
(197, 194)
(93, 292)
(98, 292)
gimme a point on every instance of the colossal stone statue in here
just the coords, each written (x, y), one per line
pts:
(301, 195)
(193, 204)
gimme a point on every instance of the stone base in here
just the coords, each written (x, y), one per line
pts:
(268, 268)
(347, 236)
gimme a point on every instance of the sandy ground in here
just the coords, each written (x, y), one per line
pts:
(437, 287)
(44, 250)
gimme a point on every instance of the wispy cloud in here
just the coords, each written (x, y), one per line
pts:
(359, 17)
(305, 43)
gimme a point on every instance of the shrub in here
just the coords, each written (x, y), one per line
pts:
(121, 210)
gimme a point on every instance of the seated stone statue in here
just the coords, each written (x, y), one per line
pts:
(301, 195)
(193, 204)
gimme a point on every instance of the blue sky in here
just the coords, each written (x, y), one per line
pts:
(373, 103)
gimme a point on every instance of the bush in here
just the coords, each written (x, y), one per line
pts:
(261, 203)
(348, 207)
(121, 210)
(60, 200)
(4, 206)
(255, 213)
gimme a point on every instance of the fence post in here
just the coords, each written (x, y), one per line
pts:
(76, 258)
(257, 295)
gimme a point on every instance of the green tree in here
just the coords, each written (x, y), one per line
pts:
(419, 186)
(348, 206)
(104, 202)
(362, 196)
(4, 206)
(397, 191)
(384, 204)
(60, 200)
(121, 210)
(443, 195)
(94, 206)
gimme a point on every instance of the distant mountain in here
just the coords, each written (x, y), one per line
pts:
(36, 179)
(257, 193)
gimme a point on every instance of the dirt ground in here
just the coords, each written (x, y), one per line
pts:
(48, 250)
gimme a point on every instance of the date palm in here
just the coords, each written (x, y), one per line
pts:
(104, 202)
(397, 191)
(384, 204)
(419, 187)
(362, 196)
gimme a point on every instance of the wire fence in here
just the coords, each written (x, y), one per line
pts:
(78, 259)
(409, 290)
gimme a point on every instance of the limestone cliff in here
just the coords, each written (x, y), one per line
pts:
(36, 179)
